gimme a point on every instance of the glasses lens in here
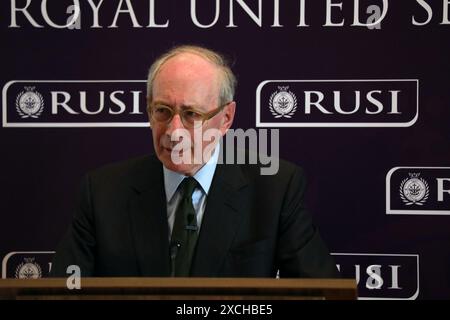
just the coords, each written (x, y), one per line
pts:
(191, 118)
(161, 113)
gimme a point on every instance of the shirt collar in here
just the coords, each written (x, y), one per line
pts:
(203, 176)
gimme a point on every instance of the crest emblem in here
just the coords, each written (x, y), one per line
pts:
(29, 103)
(414, 190)
(283, 103)
(28, 269)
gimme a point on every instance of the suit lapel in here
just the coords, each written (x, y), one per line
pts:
(148, 215)
(220, 221)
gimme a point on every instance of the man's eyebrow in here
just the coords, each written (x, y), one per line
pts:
(191, 106)
(183, 106)
(161, 102)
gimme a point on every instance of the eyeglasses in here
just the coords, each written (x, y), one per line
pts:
(190, 117)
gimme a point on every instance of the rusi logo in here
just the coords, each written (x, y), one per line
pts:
(28, 269)
(414, 190)
(27, 264)
(381, 276)
(74, 103)
(283, 103)
(29, 103)
(418, 190)
(337, 103)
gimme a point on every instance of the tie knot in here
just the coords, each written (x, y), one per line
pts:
(188, 185)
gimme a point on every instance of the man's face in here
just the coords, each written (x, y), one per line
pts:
(187, 81)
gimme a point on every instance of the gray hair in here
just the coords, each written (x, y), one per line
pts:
(228, 80)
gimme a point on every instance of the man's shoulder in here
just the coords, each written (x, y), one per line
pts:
(278, 175)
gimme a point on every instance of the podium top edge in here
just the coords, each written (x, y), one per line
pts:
(145, 282)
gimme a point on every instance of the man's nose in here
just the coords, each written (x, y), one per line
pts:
(174, 124)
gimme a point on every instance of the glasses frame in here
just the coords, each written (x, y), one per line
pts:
(204, 115)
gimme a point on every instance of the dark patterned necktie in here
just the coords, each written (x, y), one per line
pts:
(184, 233)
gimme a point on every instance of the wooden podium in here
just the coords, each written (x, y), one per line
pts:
(179, 289)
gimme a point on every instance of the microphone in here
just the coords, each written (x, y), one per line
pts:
(174, 247)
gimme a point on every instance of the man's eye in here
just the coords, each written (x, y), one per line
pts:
(161, 109)
(192, 115)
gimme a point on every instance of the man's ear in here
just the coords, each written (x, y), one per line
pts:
(228, 117)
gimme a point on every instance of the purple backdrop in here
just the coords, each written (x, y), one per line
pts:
(378, 181)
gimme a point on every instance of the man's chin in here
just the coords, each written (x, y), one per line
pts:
(185, 169)
(182, 168)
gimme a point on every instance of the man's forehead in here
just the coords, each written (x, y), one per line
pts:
(179, 81)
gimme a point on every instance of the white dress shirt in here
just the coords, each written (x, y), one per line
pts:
(203, 176)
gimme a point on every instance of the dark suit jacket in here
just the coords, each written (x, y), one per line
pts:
(253, 225)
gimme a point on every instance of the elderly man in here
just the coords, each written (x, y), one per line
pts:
(158, 216)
